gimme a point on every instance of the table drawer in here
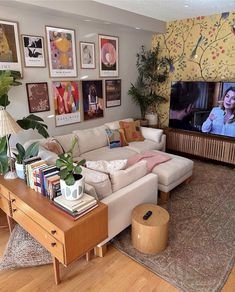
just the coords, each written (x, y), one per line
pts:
(42, 221)
(5, 205)
(41, 235)
(4, 192)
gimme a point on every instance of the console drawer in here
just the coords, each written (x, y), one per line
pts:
(4, 192)
(42, 221)
(41, 235)
(5, 205)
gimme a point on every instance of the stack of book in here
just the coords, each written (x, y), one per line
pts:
(41, 177)
(78, 208)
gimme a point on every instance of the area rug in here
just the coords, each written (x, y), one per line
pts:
(201, 248)
(23, 251)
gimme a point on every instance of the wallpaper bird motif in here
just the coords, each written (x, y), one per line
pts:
(202, 48)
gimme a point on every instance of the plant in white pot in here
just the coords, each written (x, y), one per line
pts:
(72, 181)
(31, 151)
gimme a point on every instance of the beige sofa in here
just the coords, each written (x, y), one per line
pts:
(143, 188)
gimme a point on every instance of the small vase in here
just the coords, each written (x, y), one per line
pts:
(19, 170)
(152, 119)
(74, 192)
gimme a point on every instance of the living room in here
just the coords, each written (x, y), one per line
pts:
(201, 49)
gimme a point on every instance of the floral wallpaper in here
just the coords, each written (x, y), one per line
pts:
(202, 48)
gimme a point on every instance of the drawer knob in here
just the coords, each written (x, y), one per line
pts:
(53, 232)
(14, 210)
(13, 200)
(53, 244)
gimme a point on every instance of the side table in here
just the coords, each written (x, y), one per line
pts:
(150, 236)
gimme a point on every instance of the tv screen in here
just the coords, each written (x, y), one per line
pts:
(207, 107)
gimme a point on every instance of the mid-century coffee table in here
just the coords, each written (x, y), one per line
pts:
(65, 239)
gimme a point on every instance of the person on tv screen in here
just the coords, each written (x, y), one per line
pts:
(183, 96)
(221, 119)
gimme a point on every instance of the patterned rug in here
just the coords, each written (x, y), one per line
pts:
(23, 251)
(201, 248)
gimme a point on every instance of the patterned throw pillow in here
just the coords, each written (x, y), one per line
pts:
(132, 131)
(53, 145)
(107, 166)
(116, 138)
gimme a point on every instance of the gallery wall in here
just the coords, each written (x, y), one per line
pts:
(202, 48)
(32, 21)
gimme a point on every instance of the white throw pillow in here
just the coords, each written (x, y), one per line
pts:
(152, 134)
(122, 178)
(107, 166)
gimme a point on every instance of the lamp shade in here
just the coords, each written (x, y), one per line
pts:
(8, 125)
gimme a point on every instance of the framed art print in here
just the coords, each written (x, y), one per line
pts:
(93, 101)
(33, 48)
(108, 56)
(87, 55)
(113, 92)
(66, 102)
(38, 97)
(9, 46)
(61, 52)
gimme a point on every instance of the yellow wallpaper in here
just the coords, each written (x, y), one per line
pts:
(202, 48)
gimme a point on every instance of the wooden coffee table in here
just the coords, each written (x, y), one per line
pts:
(150, 236)
(65, 239)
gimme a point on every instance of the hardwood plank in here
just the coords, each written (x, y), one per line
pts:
(100, 274)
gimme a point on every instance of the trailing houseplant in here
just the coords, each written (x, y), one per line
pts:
(152, 70)
(22, 154)
(7, 80)
(71, 180)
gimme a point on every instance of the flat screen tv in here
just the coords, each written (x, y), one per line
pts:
(206, 107)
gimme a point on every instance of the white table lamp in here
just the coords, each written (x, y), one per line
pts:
(8, 126)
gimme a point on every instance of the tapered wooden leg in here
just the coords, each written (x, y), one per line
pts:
(100, 251)
(88, 256)
(188, 180)
(10, 223)
(56, 266)
(164, 196)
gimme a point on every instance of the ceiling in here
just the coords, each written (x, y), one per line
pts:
(168, 10)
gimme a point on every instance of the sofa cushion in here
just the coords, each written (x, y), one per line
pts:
(122, 178)
(91, 139)
(152, 134)
(99, 180)
(132, 130)
(66, 142)
(115, 125)
(145, 145)
(107, 166)
(105, 153)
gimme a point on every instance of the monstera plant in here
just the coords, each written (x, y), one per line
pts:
(7, 80)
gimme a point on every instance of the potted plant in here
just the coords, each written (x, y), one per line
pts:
(23, 154)
(72, 181)
(7, 80)
(152, 70)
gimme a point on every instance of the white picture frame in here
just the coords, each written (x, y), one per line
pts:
(87, 55)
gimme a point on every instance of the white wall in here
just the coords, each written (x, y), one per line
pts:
(33, 21)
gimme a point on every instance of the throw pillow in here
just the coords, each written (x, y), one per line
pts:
(132, 131)
(116, 138)
(107, 166)
(54, 146)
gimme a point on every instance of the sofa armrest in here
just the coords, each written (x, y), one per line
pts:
(152, 134)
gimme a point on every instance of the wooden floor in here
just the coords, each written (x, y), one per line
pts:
(113, 273)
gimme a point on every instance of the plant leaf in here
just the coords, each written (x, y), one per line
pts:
(77, 169)
(3, 144)
(63, 173)
(60, 163)
(70, 180)
(3, 162)
(34, 122)
(21, 153)
(32, 150)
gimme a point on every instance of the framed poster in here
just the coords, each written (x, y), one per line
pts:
(38, 97)
(66, 102)
(61, 52)
(9, 46)
(93, 101)
(113, 92)
(108, 56)
(33, 48)
(87, 55)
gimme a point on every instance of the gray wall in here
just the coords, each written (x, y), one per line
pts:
(33, 21)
